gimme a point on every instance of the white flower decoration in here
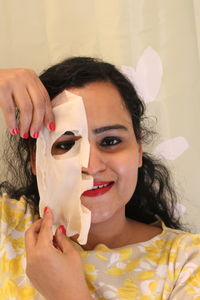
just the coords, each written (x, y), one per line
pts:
(172, 148)
(146, 79)
(147, 76)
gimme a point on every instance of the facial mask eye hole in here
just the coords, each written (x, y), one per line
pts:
(64, 143)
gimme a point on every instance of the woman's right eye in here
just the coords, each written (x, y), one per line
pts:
(62, 147)
(65, 145)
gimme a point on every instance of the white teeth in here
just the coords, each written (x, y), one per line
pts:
(99, 186)
(94, 188)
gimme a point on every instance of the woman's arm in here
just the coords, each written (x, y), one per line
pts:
(22, 89)
(56, 274)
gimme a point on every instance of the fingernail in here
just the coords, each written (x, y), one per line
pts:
(36, 134)
(26, 135)
(62, 229)
(15, 131)
(52, 126)
(45, 209)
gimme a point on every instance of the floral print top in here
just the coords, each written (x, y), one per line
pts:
(165, 267)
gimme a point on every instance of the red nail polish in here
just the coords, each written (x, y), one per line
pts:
(36, 134)
(26, 135)
(15, 131)
(52, 126)
(62, 229)
(45, 209)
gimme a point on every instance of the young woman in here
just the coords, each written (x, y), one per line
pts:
(135, 247)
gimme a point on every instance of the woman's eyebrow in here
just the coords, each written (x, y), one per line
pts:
(110, 127)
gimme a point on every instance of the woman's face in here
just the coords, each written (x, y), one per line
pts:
(115, 155)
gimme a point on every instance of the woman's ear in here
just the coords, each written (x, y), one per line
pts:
(32, 149)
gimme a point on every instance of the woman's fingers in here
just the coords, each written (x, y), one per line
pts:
(45, 237)
(25, 109)
(42, 112)
(22, 89)
(55, 274)
(40, 235)
(62, 242)
(49, 119)
(9, 110)
(31, 235)
(38, 110)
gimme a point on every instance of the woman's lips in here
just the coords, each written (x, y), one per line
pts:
(99, 188)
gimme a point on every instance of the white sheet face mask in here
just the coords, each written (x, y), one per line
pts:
(59, 177)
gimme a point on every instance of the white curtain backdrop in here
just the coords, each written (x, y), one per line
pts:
(155, 42)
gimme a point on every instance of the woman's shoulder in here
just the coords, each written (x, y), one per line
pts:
(175, 240)
(180, 246)
(15, 214)
(180, 237)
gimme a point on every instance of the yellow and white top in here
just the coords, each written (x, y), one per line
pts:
(165, 267)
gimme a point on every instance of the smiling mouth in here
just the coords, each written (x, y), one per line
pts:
(99, 189)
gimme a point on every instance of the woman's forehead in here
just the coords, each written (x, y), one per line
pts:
(103, 103)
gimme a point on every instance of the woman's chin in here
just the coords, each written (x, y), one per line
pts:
(100, 217)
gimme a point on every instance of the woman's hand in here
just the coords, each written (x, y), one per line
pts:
(22, 89)
(56, 274)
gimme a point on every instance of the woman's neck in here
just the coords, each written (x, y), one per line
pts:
(110, 232)
(120, 232)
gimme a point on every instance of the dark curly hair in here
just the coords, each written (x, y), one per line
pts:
(154, 196)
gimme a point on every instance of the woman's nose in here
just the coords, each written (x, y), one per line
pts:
(96, 162)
